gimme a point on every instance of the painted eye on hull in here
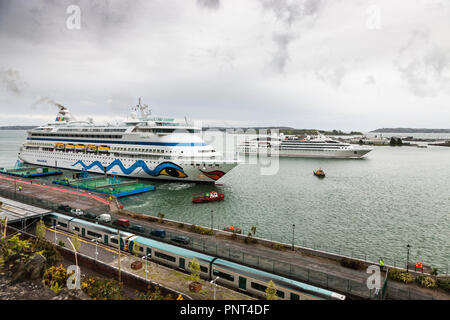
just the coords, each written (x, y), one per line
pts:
(173, 172)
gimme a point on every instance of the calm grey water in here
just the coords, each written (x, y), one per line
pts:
(368, 208)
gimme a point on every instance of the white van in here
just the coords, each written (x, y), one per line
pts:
(104, 217)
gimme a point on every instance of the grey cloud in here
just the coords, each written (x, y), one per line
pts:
(424, 65)
(11, 81)
(288, 13)
(370, 80)
(333, 75)
(281, 56)
(209, 4)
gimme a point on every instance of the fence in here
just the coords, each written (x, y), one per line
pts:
(321, 279)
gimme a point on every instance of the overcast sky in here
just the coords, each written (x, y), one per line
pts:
(325, 64)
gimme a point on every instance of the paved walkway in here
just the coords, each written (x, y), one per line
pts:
(61, 195)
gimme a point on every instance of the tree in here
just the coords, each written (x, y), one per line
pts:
(136, 248)
(40, 229)
(194, 268)
(253, 230)
(76, 241)
(271, 291)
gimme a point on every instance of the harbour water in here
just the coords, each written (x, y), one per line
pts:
(368, 208)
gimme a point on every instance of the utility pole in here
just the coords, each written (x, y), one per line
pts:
(293, 227)
(407, 257)
(118, 254)
(211, 220)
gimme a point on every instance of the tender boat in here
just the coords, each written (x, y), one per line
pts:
(319, 173)
(212, 196)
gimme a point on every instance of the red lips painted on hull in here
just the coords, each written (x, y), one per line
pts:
(215, 175)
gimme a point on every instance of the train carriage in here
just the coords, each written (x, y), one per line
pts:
(255, 281)
(107, 235)
(172, 255)
(61, 221)
(89, 230)
(231, 274)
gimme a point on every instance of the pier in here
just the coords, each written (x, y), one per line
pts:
(106, 185)
(31, 172)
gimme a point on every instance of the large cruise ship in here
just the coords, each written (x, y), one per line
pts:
(293, 146)
(144, 146)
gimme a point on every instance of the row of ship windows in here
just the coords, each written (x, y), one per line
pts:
(94, 155)
(49, 145)
(129, 156)
(76, 135)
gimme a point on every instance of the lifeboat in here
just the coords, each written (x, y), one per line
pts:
(70, 146)
(210, 197)
(80, 147)
(319, 173)
(91, 148)
(103, 149)
(59, 146)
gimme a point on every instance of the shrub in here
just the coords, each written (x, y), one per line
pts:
(49, 251)
(400, 275)
(277, 246)
(444, 284)
(155, 294)
(426, 282)
(101, 289)
(201, 230)
(352, 264)
(56, 277)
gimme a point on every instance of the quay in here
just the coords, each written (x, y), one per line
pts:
(315, 267)
(48, 196)
(107, 185)
(31, 172)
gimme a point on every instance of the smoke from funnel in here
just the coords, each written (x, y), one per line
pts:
(48, 101)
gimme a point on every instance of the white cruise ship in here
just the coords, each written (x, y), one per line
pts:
(292, 146)
(144, 146)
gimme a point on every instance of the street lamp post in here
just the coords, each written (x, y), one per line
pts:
(145, 258)
(215, 285)
(211, 220)
(293, 228)
(407, 257)
(96, 246)
(54, 229)
(75, 250)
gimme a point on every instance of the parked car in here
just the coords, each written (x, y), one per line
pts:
(122, 222)
(89, 215)
(137, 227)
(180, 239)
(77, 212)
(104, 217)
(64, 208)
(158, 233)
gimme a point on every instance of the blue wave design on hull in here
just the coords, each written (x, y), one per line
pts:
(130, 170)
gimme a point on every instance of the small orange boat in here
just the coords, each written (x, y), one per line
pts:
(212, 196)
(319, 173)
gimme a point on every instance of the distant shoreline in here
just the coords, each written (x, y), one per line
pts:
(410, 130)
(17, 127)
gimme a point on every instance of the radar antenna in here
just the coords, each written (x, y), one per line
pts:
(143, 109)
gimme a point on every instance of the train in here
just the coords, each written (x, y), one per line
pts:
(229, 274)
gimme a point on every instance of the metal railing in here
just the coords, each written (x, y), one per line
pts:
(322, 279)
